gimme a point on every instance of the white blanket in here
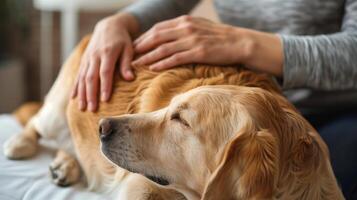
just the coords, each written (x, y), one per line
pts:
(29, 179)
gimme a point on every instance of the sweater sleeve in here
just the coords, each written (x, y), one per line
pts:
(323, 62)
(149, 12)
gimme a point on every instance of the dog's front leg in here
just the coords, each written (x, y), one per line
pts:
(137, 187)
(51, 123)
(64, 169)
(23, 145)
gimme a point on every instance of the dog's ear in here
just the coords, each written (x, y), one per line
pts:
(247, 170)
(306, 156)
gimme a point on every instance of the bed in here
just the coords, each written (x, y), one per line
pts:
(29, 179)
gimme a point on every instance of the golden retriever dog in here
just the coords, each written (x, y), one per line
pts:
(194, 132)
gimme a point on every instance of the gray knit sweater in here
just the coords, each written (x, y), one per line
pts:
(319, 39)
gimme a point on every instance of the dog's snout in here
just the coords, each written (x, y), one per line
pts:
(105, 128)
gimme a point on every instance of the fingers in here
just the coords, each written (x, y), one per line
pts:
(87, 86)
(75, 89)
(104, 49)
(163, 51)
(156, 38)
(91, 84)
(174, 60)
(168, 24)
(106, 73)
(160, 26)
(169, 38)
(125, 63)
(82, 101)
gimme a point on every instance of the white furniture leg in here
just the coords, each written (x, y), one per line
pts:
(46, 68)
(69, 31)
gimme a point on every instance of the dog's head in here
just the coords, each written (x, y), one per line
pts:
(209, 142)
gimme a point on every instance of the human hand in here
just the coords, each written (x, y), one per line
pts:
(110, 43)
(188, 39)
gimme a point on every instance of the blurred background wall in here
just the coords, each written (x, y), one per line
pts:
(21, 36)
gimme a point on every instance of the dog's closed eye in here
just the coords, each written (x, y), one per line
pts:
(177, 117)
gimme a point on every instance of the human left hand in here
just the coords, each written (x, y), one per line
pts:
(189, 39)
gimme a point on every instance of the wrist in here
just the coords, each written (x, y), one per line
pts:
(129, 22)
(245, 45)
(263, 52)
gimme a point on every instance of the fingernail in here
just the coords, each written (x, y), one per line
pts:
(129, 74)
(91, 106)
(137, 48)
(152, 68)
(104, 96)
(81, 105)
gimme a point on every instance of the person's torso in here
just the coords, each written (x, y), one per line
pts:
(296, 17)
(293, 17)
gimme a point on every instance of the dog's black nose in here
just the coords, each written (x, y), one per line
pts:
(105, 128)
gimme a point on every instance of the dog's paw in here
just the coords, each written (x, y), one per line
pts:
(20, 147)
(65, 171)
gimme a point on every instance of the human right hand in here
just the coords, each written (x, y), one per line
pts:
(111, 43)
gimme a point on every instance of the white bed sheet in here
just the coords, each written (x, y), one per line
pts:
(29, 179)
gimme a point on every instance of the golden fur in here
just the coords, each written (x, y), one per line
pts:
(233, 142)
(24, 113)
(276, 155)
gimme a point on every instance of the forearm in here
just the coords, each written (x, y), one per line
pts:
(326, 62)
(149, 12)
(263, 52)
